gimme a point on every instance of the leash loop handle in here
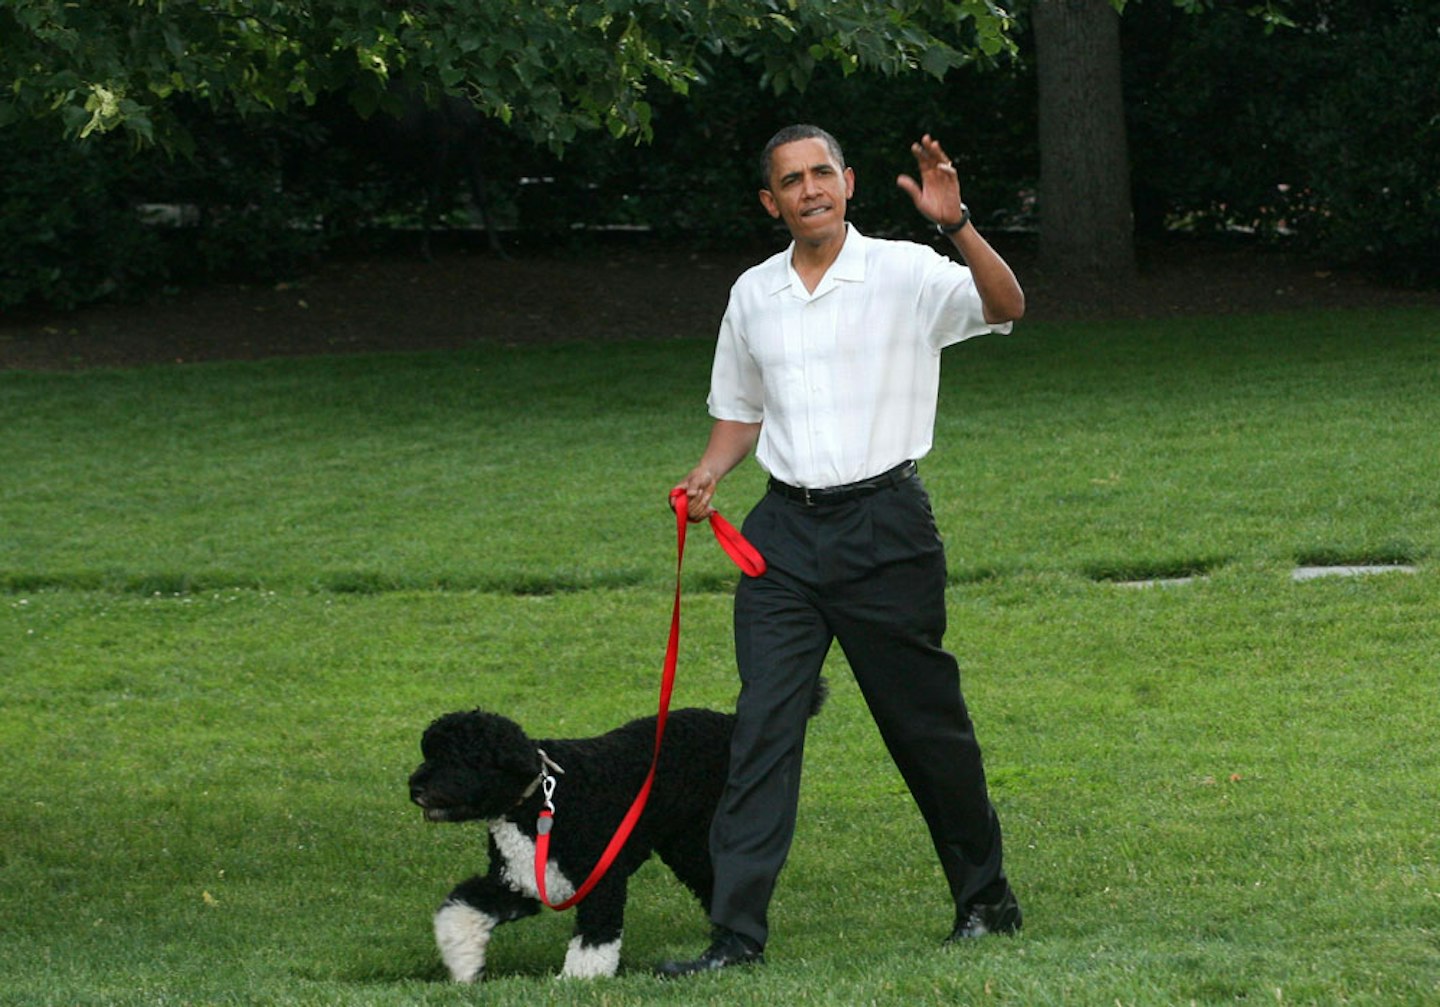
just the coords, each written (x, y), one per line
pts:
(749, 560)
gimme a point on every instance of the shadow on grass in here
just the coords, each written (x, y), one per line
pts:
(1130, 572)
(1386, 554)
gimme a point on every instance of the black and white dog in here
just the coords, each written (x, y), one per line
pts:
(482, 766)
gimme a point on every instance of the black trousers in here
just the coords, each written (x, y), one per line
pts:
(869, 573)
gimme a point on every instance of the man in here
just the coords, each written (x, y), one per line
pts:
(827, 365)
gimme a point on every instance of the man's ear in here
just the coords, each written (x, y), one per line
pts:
(767, 200)
(849, 184)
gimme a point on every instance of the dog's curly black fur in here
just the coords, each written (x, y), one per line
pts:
(482, 766)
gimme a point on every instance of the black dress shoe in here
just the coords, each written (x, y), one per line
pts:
(979, 919)
(727, 948)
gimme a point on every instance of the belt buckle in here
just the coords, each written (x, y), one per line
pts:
(808, 501)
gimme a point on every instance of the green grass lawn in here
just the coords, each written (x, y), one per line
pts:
(232, 596)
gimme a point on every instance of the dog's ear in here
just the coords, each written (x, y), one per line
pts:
(502, 744)
(513, 750)
(522, 762)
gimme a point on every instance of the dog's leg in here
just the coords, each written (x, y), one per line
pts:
(690, 860)
(464, 924)
(599, 921)
(462, 933)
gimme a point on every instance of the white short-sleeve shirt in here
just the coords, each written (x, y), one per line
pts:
(843, 381)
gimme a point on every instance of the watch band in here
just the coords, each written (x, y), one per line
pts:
(949, 229)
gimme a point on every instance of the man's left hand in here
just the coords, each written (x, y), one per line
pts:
(937, 194)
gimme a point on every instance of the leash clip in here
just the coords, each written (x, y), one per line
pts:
(547, 780)
(546, 821)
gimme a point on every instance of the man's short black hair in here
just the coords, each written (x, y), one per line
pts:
(799, 131)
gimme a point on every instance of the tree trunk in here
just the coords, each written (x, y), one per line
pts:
(1086, 224)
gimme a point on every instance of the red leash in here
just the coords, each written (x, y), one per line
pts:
(749, 560)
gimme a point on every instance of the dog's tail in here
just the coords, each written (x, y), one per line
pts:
(822, 693)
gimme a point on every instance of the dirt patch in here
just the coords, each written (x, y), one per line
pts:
(630, 288)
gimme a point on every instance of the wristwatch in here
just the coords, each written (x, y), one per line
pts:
(949, 229)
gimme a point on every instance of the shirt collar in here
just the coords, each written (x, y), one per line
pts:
(849, 266)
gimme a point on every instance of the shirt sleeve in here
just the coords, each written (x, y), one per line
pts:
(950, 305)
(736, 389)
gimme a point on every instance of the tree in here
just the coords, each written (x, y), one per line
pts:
(554, 68)
(1086, 222)
(550, 67)
(1087, 226)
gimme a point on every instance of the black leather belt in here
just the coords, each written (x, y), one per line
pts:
(850, 491)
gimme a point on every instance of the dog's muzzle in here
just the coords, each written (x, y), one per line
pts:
(444, 814)
(433, 812)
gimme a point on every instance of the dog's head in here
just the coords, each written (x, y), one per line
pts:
(477, 765)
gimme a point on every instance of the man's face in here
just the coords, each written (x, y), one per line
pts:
(808, 190)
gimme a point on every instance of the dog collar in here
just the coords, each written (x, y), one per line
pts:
(530, 790)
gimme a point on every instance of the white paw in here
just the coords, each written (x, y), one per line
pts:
(591, 962)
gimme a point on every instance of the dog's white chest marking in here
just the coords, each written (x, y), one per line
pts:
(518, 871)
